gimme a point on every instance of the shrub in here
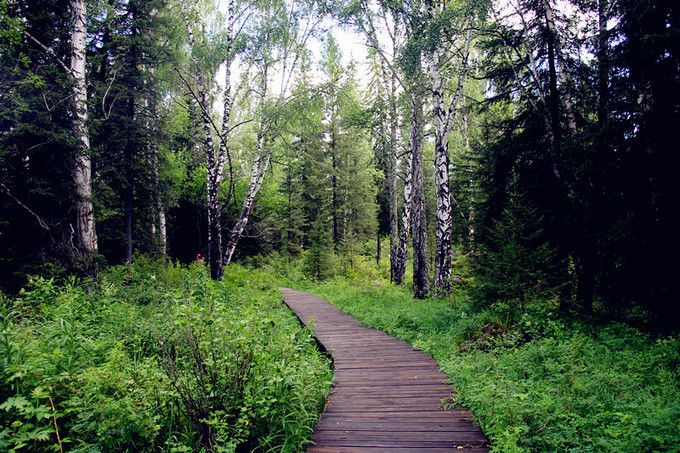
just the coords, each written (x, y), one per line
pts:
(154, 357)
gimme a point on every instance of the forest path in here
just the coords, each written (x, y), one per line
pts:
(387, 396)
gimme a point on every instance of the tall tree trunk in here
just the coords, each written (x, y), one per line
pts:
(444, 221)
(561, 68)
(554, 130)
(334, 186)
(82, 168)
(392, 185)
(421, 278)
(130, 150)
(586, 255)
(257, 174)
(129, 198)
(212, 173)
(158, 226)
(402, 251)
(602, 66)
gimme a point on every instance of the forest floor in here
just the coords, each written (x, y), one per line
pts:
(161, 358)
(533, 381)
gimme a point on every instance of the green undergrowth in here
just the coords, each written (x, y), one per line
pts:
(157, 358)
(534, 382)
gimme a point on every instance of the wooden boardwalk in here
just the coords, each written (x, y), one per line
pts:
(386, 397)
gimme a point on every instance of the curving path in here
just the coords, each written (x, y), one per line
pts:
(387, 396)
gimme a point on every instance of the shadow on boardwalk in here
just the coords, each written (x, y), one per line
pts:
(387, 397)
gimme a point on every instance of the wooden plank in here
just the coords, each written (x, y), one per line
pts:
(442, 438)
(360, 449)
(329, 424)
(387, 396)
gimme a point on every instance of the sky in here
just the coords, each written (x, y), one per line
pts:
(352, 47)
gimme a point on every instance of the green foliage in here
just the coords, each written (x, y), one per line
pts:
(157, 358)
(538, 383)
(516, 263)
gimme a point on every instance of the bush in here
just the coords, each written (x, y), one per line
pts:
(157, 358)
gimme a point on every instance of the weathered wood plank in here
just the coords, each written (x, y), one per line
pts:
(387, 396)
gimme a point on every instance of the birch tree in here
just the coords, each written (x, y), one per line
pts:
(276, 44)
(82, 167)
(444, 45)
(216, 157)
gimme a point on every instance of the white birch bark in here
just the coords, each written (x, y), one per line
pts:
(82, 168)
(402, 250)
(444, 221)
(212, 177)
(257, 174)
(392, 181)
(443, 119)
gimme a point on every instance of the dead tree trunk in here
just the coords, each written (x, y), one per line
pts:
(82, 168)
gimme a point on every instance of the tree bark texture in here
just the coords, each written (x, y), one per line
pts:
(257, 174)
(392, 181)
(214, 211)
(82, 168)
(402, 250)
(421, 278)
(444, 220)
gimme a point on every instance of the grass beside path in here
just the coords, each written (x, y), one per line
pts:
(534, 383)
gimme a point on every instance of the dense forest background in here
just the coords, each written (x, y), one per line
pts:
(531, 142)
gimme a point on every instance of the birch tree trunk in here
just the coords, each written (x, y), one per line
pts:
(82, 168)
(257, 174)
(421, 277)
(216, 160)
(444, 221)
(159, 227)
(392, 181)
(214, 211)
(402, 250)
